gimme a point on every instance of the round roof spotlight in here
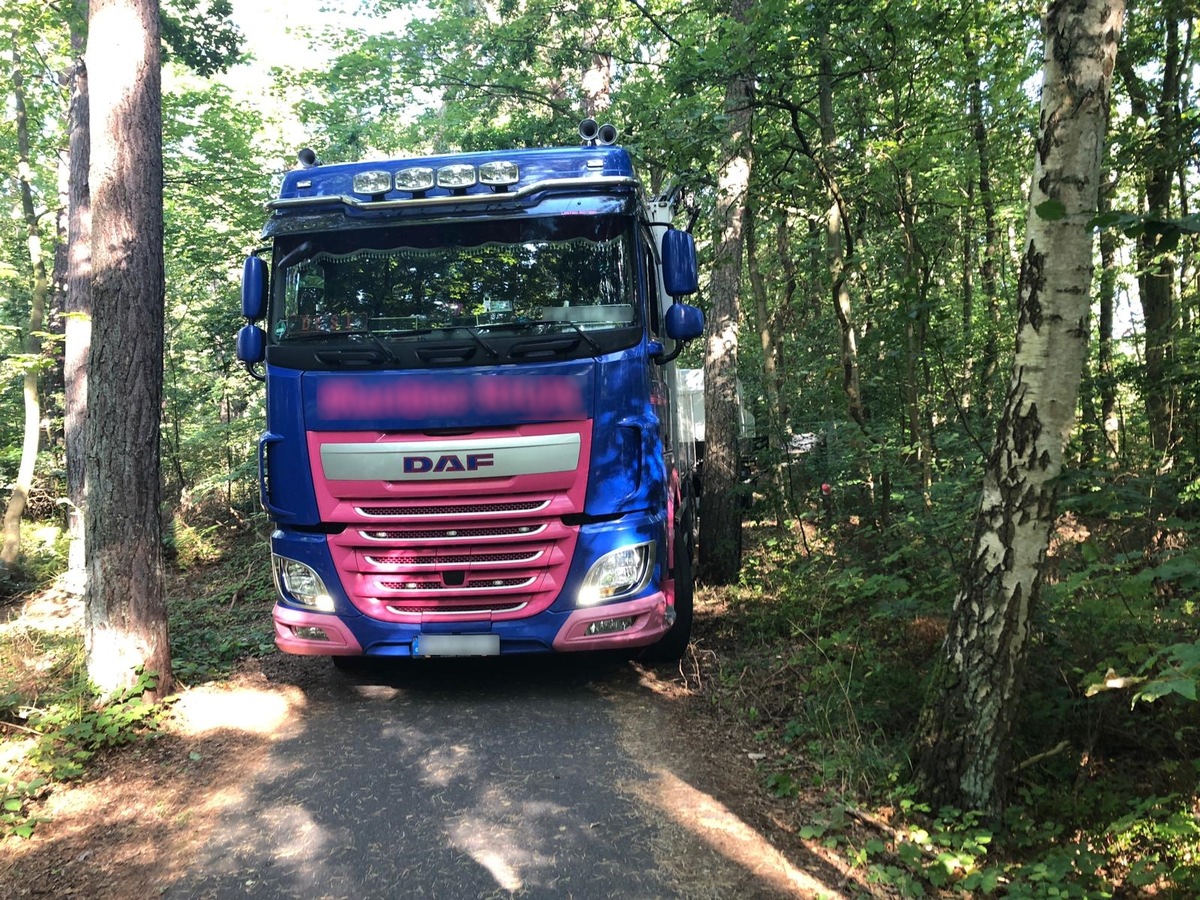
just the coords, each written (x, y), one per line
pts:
(307, 157)
(606, 135)
(588, 130)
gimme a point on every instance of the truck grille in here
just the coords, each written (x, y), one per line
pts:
(511, 568)
(450, 559)
(414, 551)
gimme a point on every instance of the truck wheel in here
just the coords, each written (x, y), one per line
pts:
(673, 644)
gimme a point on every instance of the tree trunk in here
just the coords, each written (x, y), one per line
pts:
(1105, 376)
(78, 307)
(916, 329)
(721, 508)
(11, 550)
(125, 611)
(1156, 266)
(835, 240)
(769, 343)
(965, 732)
(991, 291)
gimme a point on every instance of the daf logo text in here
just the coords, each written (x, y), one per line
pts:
(449, 462)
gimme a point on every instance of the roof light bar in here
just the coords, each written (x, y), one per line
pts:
(418, 178)
(498, 173)
(456, 177)
(375, 182)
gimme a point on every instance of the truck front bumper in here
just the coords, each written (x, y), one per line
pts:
(633, 623)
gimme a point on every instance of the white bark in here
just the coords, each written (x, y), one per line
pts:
(967, 726)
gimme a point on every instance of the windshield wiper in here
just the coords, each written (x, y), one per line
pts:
(583, 334)
(474, 332)
(303, 251)
(371, 337)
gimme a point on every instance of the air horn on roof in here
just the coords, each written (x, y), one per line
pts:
(594, 134)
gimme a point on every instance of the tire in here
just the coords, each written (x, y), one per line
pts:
(672, 645)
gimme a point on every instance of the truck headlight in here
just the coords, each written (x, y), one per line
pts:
(616, 574)
(300, 583)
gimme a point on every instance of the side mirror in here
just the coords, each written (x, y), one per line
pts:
(684, 322)
(254, 290)
(251, 345)
(680, 276)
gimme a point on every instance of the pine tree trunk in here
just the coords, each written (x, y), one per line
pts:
(966, 728)
(78, 307)
(126, 617)
(1156, 266)
(721, 510)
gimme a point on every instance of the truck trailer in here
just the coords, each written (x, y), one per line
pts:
(473, 444)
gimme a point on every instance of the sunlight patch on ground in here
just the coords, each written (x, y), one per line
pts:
(502, 836)
(718, 827)
(442, 764)
(13, 754)
(273, 713)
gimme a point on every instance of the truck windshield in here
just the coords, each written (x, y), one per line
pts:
(423, 281)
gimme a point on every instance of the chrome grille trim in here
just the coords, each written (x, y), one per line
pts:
(471, 585)
(461, 559)
(426, 611)
(452, 534)
(474, 509)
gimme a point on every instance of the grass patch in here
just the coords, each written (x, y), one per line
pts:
(220, 612)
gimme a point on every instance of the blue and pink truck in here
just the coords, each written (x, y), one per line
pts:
(472, 440)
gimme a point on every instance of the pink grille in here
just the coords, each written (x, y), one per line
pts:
(484, 547)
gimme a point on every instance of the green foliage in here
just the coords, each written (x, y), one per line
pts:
(829, 639)
(223, 615)
(15, 799)
(75, 729)
(45, 694)
(199, 34)
(43, 557)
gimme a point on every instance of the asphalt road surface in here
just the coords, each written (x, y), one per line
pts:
(541, 777)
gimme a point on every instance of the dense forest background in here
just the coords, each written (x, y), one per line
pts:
(886, 150)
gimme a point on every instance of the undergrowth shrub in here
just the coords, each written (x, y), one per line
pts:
(219, 613)
(831, 637)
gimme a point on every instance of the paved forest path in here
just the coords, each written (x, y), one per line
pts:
(541, 777)
(559, 777)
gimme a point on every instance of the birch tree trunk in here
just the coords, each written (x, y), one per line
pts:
(965, 732)
(125, 611)
(33, 342)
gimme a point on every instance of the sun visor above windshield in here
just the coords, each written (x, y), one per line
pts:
(341, 219)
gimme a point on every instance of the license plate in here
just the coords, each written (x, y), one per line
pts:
(456, 645)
